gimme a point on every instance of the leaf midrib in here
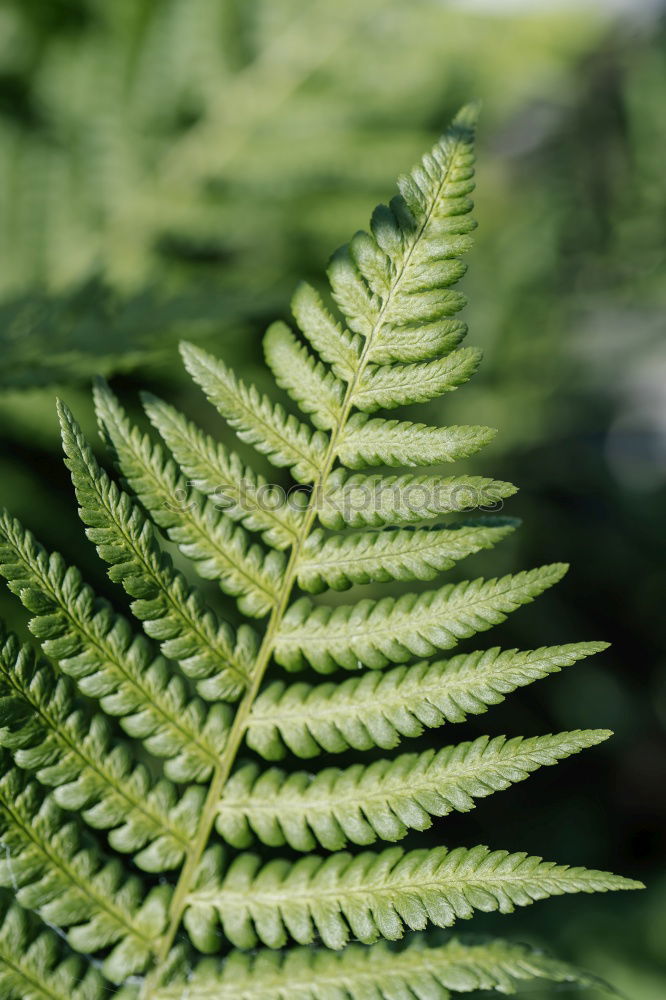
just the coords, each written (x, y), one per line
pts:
(248, 899)
(428, 373)
(427, 540)
(396, 619)
(438, 686)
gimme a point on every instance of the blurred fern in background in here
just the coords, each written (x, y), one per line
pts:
(144, 127)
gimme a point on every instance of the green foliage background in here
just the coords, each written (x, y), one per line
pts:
(171, 168)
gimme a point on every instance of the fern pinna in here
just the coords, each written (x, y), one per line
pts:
(140, 775)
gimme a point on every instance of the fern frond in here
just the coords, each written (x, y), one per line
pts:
(77, 754)
(172, 612)
(381, 556)
(358, 973)
(388, 386)
(67, 880)
(35, 965)
(219, 549)
(244, 495)
(369, 896)
(97, 648)
(379, 709)
(392, 343)
(385, 799)
(376, 501)
(375, 633)
(374, 441)
(257, 420)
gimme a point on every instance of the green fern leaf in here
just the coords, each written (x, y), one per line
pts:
(410, 344)
(34, 964)
(409, 554)
(171, 611)
(369, 896)
(379, 709)
(375, 633)
(358, 973)
(70, 884)
(220, 550)
(317, 392)
(384, 799)
(336, 346)
(400, 442)
(244, 495)
(255, 418)
(377, 501)
(97, 648)
(75, 752)
(388, 386)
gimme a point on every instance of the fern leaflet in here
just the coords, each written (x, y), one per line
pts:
(415, 971)
(34, 965)
(384, 799)
(379, 709)
(368, 896)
